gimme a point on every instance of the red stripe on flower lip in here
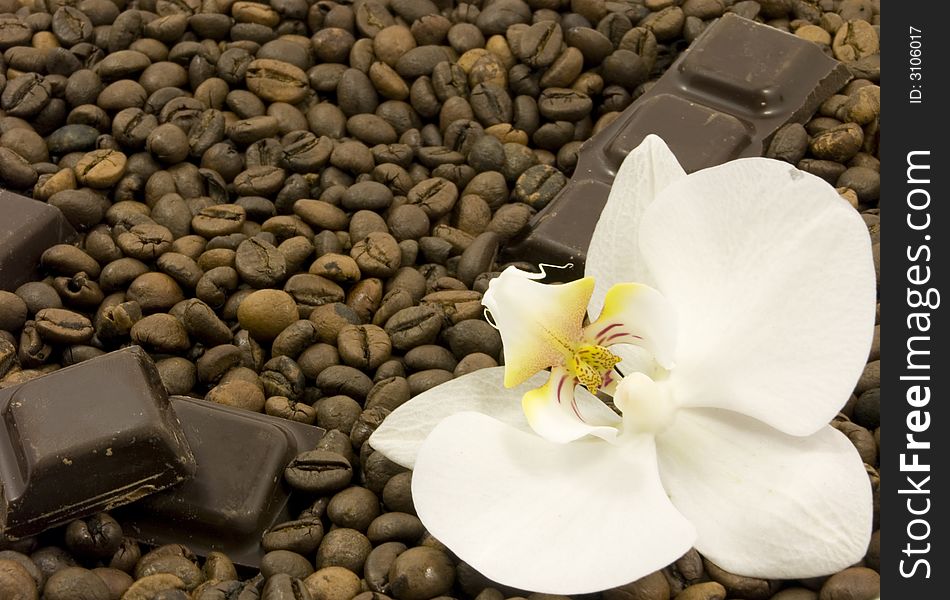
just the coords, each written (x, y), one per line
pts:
(560, 386)
(620, 335)
(603, 332)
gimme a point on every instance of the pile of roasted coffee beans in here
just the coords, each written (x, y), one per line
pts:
(295, 206)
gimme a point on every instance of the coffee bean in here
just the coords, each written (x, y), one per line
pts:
(377, 255)
(148, 587)
(75, 582)
(15, 580)
(839, 143)
(378, 564)
(346, 380)
(13, 311)
(414, 326)
(96, 537)
(302, 536)
(239, 394)
(287, 563)
(421, 573)
(651, 587)
(345, 548)
(736, 585)
(426, 380)
(353, 508)
(336, 267)
(789, 143)
(337, 412)
(855, 39)
(395, 527)
(857, 582)
(709, 590)
(281, 376)
(160, 332)
(25, 96)
(259, 263)
(364, 346)
(63, 326)
(170, 564)
(333, 583)
(318, 472)
(420, 60)
(282, 586)
(265, 313)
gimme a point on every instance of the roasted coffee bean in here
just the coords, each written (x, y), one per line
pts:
(221, 219)
(15, 579)
(333, 583)
(538, 185)
(345, 380)
(239, 394)
(364, 346)
(75, 582)
(178, 375)
(170, 564)
(57, 325)
(283, 586)
(414, 326)
(259, 263)
(148, 587)
(95, 537)
(426, 380)
(282, 376)
(318, 472)
(337, 412)
(354, 508)
(265, 313)
(154, 292)
(397, 495)
(377, 255)
(312, 291)
(285, 563)
(160, 332)
(421, 572)
(379, 563)
(395, 526)
(285, 408)
(302, 536)
(218, 567)
(216, 361)
(345, 548)
(216, 284)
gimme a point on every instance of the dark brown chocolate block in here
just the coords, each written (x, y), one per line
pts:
(87, 438)
(27, 228)
(239, 490)
(722, 99)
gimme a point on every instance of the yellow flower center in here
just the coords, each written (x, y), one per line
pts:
(590, 363)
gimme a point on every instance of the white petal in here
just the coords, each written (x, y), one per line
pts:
(636, 314)
(404, 430)
(764, 503)
(539, 323)
(770, 274)
(564, 519)
(559, 413)
(614, 253)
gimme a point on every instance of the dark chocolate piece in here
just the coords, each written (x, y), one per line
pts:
(722, 99)
(239, 491)
(87, 438)
(27, 228)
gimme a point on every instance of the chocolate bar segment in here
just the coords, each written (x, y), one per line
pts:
(27, 228)
(84, 439)
(723, 98)
(239, 490)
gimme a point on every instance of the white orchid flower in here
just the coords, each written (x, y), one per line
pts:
(748, 293)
